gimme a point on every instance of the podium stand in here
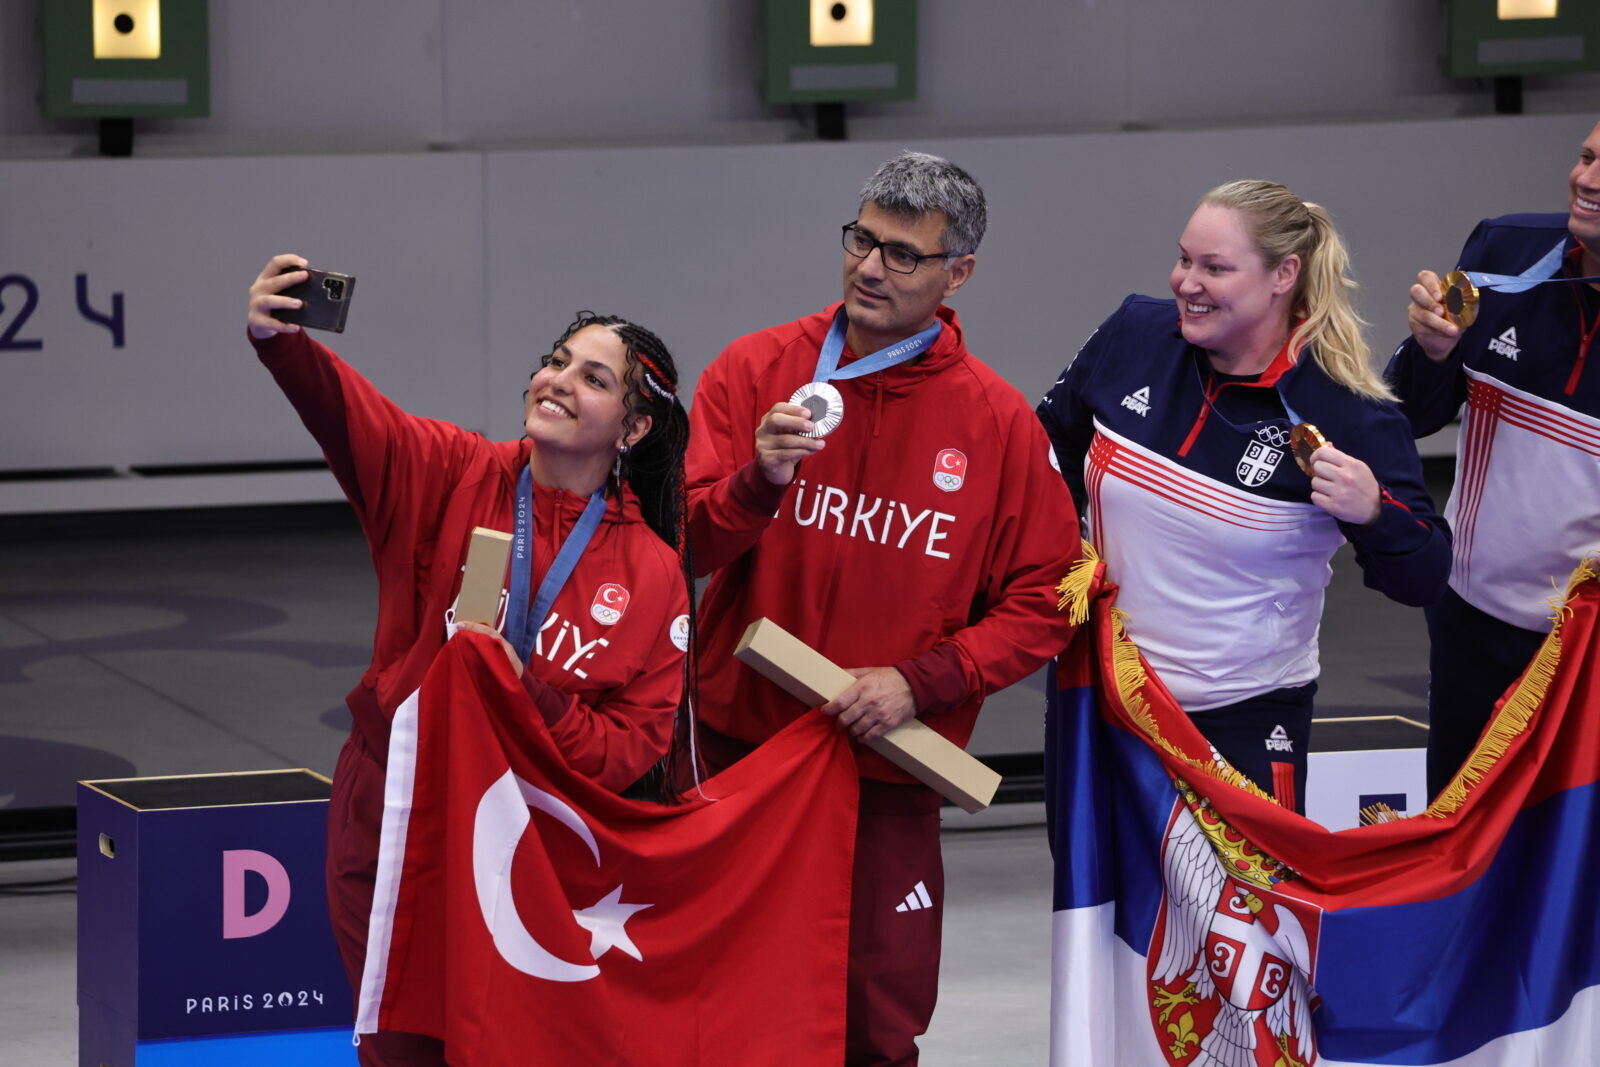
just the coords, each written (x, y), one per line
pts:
(1362, 761)
(203, 933)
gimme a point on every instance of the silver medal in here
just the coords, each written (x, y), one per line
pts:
(824, 406)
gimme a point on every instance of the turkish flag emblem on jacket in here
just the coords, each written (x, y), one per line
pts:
(524, 914)
(610, 601)
(950, 469)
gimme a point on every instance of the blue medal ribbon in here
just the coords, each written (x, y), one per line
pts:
(1291, 417)
(1294, 416)
(522, 625)
(1540, 273)
(882, 359)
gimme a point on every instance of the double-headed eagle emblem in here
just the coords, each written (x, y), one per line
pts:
(1231, 961)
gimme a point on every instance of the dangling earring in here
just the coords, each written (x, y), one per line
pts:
(616, 464)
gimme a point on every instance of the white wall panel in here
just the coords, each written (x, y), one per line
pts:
(182, 240)
(705, 244)
(471, 264)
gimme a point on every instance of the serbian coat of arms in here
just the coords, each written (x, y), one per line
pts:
(1231, 960)
(1257, 463)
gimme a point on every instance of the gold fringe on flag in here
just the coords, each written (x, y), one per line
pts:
(1517, 712)
(1129, 676)
(1074, 588)
(1379, 812)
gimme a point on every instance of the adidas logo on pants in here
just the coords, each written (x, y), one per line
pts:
(916, 900)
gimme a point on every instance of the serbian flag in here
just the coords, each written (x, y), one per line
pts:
(1198, 923)
(523, 914)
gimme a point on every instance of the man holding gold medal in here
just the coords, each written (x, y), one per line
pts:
(864, 481)
(1526, 503)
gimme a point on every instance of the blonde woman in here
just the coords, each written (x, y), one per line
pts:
(1173, 430)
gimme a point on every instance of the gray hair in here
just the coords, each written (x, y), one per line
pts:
(915, 183)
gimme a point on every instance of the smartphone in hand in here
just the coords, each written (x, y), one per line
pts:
(325, 297)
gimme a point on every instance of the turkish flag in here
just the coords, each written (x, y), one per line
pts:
(524, 914)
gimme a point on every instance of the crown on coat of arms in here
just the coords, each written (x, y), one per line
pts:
(1239, 857)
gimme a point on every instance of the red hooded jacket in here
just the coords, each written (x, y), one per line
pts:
(928, 535)
(419, 486)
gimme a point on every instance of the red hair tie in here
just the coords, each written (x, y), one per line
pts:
(652, 372)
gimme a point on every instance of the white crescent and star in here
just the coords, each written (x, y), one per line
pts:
(501, 819)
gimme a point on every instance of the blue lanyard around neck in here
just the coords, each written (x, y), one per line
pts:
(522, 624)
(882, 359)
(1538, 274)
(1291, 416)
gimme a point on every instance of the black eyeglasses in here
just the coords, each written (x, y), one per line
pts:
(898, 258)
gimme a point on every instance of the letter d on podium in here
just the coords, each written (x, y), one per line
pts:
(235, 863)
(190, 950)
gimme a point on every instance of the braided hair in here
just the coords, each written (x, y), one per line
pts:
(653, 467)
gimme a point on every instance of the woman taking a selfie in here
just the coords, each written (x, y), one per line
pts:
(599, 471)
(1174, 428)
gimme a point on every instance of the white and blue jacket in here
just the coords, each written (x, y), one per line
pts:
(1526, 503)
(1202, 516)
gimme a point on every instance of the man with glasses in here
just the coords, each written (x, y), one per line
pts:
(864, 481)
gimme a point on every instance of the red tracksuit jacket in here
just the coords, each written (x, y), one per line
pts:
(929, 535)
(419, 486)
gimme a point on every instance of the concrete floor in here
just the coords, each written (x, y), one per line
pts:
(175, 650)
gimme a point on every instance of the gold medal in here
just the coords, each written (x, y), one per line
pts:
(1460, 299)
(1305, 439)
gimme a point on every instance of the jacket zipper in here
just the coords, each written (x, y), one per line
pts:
(877, 409)
(1200, 420)
(1583, 349)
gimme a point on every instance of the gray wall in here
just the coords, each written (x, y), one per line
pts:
(318, 76)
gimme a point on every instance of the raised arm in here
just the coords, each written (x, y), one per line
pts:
(737, 476)
(1425, 371)
(370, 443)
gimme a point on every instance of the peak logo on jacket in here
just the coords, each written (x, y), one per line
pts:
(881, 521)
(1506, 344)
(610, 601)
(950, 469)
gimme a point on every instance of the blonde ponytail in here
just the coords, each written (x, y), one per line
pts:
(1284, 225)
